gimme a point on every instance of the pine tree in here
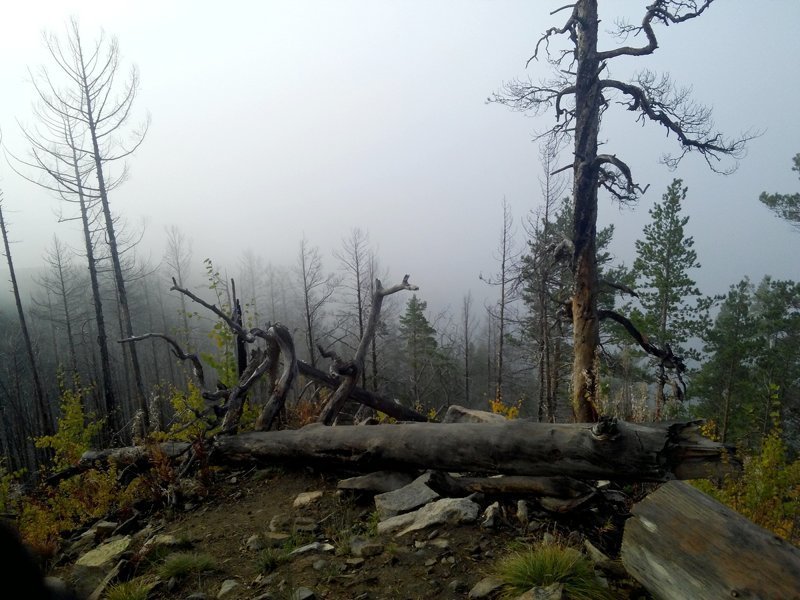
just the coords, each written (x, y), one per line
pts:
(786, 206)
(421, 349)
(672, 308)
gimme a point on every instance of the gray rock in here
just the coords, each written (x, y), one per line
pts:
(227, 587)
(161, 540)
(312, 547)
(398, 522)
(491, 515)
(306, 498)
(457, 585)
(197, 596)
(320, 564)
(408, 498)
(303, 593)
(104, 529)
(354, 562)
(364, 548)
(280, 523)
(447, 510)
(459, 414)
(305, 525)
(522, 512)
(105, 554)
(379, 482)
(274, 539)
(554, 591)
(485, 588)
(254, 543)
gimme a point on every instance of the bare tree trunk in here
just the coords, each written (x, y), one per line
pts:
(110, 402)
(585, 323)
(356, 366)
(44, 416)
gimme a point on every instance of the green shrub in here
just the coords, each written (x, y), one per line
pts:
(768, 490)
(546, 564)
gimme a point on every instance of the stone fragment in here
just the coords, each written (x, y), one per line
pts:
(490, 515)
(408, 498)
(554, 591)
(303, 593)
(306, 498)
(447, 510)
(364, 548)
(254, 543)
(312, 547)
(522, 512)
(485, 588)
(227, 587)
(379, 482)
(460, 414)
(105, 554)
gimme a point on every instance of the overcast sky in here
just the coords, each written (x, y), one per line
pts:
(274, 120)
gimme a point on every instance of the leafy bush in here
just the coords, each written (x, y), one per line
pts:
(509, 411)
(768, 491)
(547, 564)
(76, 429)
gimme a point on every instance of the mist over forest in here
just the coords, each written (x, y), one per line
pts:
(419, 214)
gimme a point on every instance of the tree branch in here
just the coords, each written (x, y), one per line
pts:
(176, 350)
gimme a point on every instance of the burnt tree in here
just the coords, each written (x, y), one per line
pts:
(580, 93)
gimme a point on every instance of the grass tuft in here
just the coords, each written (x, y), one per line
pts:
(128, 590)
(547, 564)
(182, 564)
(270, 559)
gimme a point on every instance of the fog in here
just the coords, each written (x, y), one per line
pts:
(275, 120)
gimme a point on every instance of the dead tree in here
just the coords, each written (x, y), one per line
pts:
(45, 419)
(87, 99)
(580, 94)
(604, 450)
(351, 371)
(279, 349)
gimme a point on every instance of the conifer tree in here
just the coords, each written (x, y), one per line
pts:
(421, 348)
(672, 308)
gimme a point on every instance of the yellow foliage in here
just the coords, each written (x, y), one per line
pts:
(76, 429)
(768, 492)
(187, 425)
(498, 407)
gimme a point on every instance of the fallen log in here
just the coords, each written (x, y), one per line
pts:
(604, 450)
(682, 544)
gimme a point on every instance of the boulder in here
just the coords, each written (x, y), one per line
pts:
(459, 414)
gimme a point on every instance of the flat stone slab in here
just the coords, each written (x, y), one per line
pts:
(406, 499)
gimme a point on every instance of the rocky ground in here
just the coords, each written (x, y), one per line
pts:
(273, 533)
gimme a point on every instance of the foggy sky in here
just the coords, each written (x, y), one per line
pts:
(274, 120)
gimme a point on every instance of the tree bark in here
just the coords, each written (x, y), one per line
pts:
(367, 398)
(348, 381)
(683, 545)
(586, 329)
(606, 450)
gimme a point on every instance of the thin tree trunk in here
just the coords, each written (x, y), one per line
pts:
(111, 236)
(45, 418)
